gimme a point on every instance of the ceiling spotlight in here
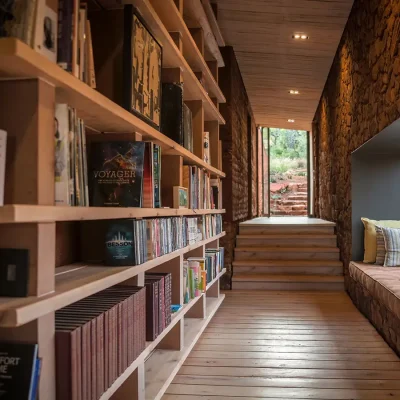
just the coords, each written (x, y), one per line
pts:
(293, 91)
(300, 36)
(291, 120)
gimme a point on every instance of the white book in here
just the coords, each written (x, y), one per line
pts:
(3, 148)
(61, 147)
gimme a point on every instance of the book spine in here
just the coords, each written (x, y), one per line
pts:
(84, 165)
(65, 32)
(62, 161)
(157, 195)
(3, 149)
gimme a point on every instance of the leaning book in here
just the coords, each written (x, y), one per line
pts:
(19, 371)
(116, 174)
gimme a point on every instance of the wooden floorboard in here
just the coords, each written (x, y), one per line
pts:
(277, 345)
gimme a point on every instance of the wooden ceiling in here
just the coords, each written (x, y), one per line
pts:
(272, 62)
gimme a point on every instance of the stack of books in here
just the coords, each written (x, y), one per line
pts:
(194, 278)
(210, 225)
(71, 178)
(214, 262)
(198, 183)
(158, 303)
(97, 338)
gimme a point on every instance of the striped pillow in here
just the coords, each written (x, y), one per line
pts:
(392, 246)
(380, 246)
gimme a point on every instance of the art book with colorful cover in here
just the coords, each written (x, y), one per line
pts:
(116, 174)
(19, 371)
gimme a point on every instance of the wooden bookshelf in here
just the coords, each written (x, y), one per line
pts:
(173, 21)
(17, 60)
(17, 213)
(163, 365)
(31, 86)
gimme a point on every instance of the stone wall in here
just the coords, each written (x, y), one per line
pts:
(361, 97)
(239, 145)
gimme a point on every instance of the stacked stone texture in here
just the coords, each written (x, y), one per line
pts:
(361, 97)
(239, 144)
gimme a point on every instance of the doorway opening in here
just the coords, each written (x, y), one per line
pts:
(286, 166)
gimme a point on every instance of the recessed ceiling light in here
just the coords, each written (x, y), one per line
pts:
(290, 120)
(293, 91)
(300, 36)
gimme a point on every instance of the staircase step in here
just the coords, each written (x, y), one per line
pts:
(297, 197)
(286, 229)
(287, 253)
(291, 202)
(286, 240)
(286, 282)
(317, 269)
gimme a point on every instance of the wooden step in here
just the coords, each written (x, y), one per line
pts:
(297, 197)
(287, 282)
(286, 240)
(294, 267)
(287, 253)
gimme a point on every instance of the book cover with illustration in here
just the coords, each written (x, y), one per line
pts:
(116, 174)
(119, 243)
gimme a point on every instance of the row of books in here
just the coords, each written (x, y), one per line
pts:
(198, 183)
(199, 271)
(158, 303)
(210, 225)
(97, 338)
(70, 170)
(133, 242)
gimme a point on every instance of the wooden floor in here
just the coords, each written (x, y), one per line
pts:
(288, 345)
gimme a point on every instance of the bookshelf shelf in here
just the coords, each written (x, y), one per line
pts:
(17, 60)
(173, 21)
(217, 278)
(30, 213)
(77, 281)
(150, 347)
(163, 365)
(195, 16)
(173, 58)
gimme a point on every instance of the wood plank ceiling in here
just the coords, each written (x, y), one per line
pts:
(273, 63)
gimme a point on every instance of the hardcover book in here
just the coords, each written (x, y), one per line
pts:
(3, 148)
(120, 248)
(19, 371)
(116, 174)
(172, 112)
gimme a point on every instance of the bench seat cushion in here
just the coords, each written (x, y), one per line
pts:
(382, 283)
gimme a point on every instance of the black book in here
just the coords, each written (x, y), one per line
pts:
(172, 112)
(64, 43)
(120, 243)
(19, 371)
(116, 174)
(14, 272)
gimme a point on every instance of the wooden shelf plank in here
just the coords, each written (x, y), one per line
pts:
(195, 16)
(163, 365)
(17, 60)
(16, 213)
(173, 21)
(173, 58)
(216, 278)
(76, 282)
(150, 347)
(213, 22)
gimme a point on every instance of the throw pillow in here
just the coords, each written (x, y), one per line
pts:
(392, 246)
(380, 246)
(370, 236)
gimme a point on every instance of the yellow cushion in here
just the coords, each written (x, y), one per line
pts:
(370, 236)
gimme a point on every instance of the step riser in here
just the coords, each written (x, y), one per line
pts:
(289, 230)
(334, 286)
(284, 255)
(278, 242)
(289, 270)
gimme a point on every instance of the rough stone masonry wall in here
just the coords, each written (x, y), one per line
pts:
(240, 189)
(361, 97)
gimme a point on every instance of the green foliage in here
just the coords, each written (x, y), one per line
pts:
(287, 143)
(282, 165)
